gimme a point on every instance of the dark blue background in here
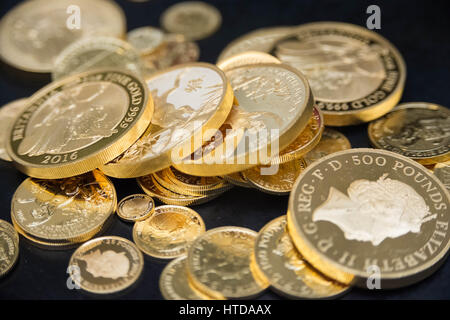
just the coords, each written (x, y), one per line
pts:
(419, 29)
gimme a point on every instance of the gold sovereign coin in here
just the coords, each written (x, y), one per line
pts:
(218, 263)
(286, 270)
(9, 247)
(330, 142)
(106, 265)
(97, 53)
(146, 39)
(191, 102)
(442, 172)
(194, 19)
(135, 207)
(63, 211)
(246, 58)
(168, 232)
(360, 212)
(35, 32)
(417, 130)
(8, 113)
(74, 125)
(174, 283)
(355, 74)
(276, 179)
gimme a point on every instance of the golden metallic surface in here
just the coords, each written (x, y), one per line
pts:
(136, 207)
(361, 211)
(286, 270)
(194, 19)
(246, 58)
(261, 129)
(355, 74)
(9, 113)
(442, 172)
(191, 102)
(9, 247)
(237, 179)
(174, 283)
(218, 263)
(330, 142)
(97, 53)
(417, 130)
(169, 232)
(275, 179)
(146, 39)
(74, 125)
(35, 32)
(106, 265)
(63, 211)
(305, 142)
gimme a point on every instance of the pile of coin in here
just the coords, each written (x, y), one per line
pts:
(188, 131)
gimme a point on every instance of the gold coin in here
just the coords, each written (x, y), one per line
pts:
(146, 39)
(35, 32)
(135, 207)
(364, 214)
(246, 58)
(74, 125)
(97, 53)
(237, 179)
(286, 270)
(9, 247)
(442, 172)
(194, 19)
(305, 142)
(330, 142)
(106, 265)
(169, 232)
(355, 74)
(417, 130)
(276, 179)
(262, 129)
(174, 283)
(191, 102)
(218, 263)
(8, 113)
(66, 210)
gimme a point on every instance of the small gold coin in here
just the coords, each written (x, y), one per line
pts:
(9, 113)
(146, 39)
(417, 130)
(106, 265)
(9, 247)
(169, 232)
(63, 211)
(135, 207)
(218, 263)
(276, 179)
(193, 19)
(286, 270)
(330, 142)
(442, 172)
(237, 179)
(360, 212)
(246, 58)
(174, 283)
(74, 125)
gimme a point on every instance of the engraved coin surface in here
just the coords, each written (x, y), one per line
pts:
(189, 99)
(193, 19)
(442, 172)
(106, 265)
(417, 130)
(8, 113)
(169, 232)
(286, 270)
(330, 142)
(9, 247)
(355, 74)
(34, 33)
(74, 125)
(218, 263)
(64, 210)
(360, 211)
(97, 53)
(246, 58)
(174, 283)
(146, 39)
(135, 207)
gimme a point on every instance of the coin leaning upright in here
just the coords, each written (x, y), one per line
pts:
(74, 125)
(360, 212)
